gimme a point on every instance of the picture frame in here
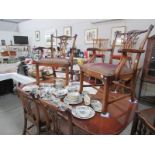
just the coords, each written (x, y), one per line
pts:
(3, 42)
(48, 37)
(121, 29)
(37, 35)
(68, 31)
(90, 34)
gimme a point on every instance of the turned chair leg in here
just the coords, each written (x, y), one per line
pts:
(133, 86)
(25, 126)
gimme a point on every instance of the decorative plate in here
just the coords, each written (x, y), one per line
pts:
(96, 105)
(83, 112)
(73, 101)
(61, 92)
(29, 88)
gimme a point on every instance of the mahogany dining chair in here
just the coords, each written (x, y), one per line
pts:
(117, 75)
(61, 61)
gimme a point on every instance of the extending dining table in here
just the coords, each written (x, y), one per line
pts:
(121, 114)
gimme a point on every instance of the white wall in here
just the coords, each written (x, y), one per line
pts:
(7, 26)
(7, 36)
(7, 31)
(78, 27)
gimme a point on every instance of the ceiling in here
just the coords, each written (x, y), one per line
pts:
(14, 20)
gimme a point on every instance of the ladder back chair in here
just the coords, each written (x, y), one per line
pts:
(112, 74)
(61, 62)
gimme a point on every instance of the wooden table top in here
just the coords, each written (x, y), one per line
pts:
(121, 114)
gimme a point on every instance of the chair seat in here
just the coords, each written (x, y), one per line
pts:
(54, 62)
(98, 69)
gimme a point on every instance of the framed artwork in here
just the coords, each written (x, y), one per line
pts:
(121, 29)
(91, 34)
(37, 35)
(3, 42)
(48, 37)
(68, 31)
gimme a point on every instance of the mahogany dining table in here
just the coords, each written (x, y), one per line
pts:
(121, 114)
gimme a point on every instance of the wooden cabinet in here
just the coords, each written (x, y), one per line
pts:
(148, 74)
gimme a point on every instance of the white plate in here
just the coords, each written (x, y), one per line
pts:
(83, 112)
(69, 101)
(72, 88)
(60, 92)
(96, 105)
(29, 88)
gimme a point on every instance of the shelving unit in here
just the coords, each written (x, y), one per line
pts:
(22, 50)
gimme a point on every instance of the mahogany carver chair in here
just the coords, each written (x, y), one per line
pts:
(99, 47)
(112, 74)
(61, 61)
(144, 122)
(36, 115)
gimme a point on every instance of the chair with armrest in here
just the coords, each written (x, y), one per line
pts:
(60, 61)
(144, 122)
(99, 47)
(112, 74)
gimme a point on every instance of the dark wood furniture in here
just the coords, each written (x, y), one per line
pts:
(148, 73)
(144, 122)
(61, 61)
(117, 75)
